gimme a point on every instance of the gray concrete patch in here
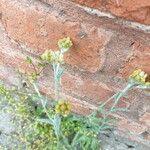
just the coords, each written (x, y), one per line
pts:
(112, 141)
(6, 125)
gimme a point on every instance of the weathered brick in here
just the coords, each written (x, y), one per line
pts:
(91, 89)
(11, 54)
(138, 59)
(96, 91)
(146, 118)
(119, 48)
(48, 26)
(131, 126)
(136, 10)
(99, 43)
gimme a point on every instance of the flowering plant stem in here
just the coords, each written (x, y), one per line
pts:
(116, 97)
(121, 94)
(53, 121)
(56, 80)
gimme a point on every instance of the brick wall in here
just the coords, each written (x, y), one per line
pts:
(106, 50)
(135, 10)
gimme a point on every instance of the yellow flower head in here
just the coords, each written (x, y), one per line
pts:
(52, 56)
(63, 108)
(65, 43)
(139, 76)
(47, 56)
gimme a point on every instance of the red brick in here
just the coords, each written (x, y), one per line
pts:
(118, 48)
(40, 28)
(146, 118)
(131, 126)
(96, 91)
(136, 10)
(11, 54)
(138, 59)
(99, 43)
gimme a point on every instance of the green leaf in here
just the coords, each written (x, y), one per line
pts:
(29, 60)
(39, 111)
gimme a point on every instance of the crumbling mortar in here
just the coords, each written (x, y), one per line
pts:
(132, 24)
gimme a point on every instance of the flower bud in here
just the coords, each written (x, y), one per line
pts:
(64, 44)
(47, 56)
(138, 76)
(63, 108)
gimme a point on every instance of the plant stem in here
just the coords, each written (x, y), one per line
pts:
(34, 68)
(49, 117)
(56, 81)
(124, 91)
(40, 96)
(117, 97)
(75, 138)
(102, 105)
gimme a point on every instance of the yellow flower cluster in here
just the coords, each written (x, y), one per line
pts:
(65, 43)
(52, 57)
(47, 55)
(139, 76)
(63, 108)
